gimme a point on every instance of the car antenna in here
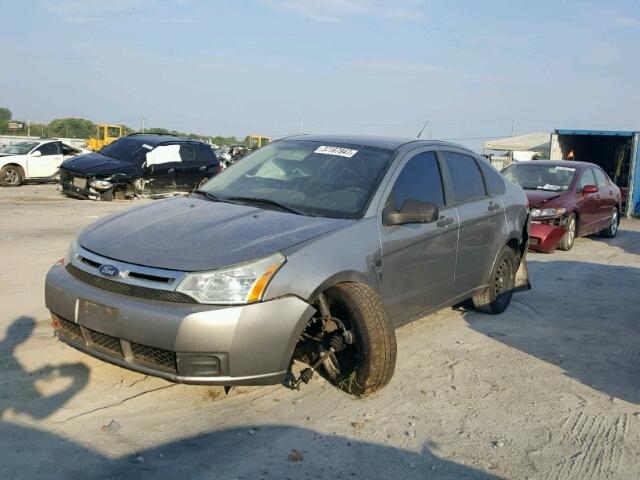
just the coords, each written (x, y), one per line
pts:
(422, 129)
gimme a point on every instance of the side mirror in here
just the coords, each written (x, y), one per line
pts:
(590, 189)
(37, 153)
(412, 211)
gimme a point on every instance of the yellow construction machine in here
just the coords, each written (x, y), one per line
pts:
(257, 141)
(105, 134)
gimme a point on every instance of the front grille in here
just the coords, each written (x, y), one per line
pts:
(69, 329)
(154, 356)
(105, 341)
(128, 289)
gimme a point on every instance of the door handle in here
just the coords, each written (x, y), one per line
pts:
(494, 206)
(171, 170)
(203, 168)
(444, 221)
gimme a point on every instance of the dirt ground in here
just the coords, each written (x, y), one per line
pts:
(548, 390)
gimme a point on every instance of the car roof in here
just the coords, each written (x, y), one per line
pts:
(376, 141)
(156, 139)
(560, 163)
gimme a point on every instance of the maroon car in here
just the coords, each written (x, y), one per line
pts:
(566, 199)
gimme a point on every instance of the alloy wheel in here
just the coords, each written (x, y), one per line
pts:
(11, 176)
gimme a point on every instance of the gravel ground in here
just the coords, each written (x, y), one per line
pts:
(548, 390)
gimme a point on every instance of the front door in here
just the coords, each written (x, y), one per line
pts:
(588, 204)
(482, 222)
(418, 260)
(46, 163)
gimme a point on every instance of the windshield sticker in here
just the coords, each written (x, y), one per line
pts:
(339, 151)
(567, 169)
(551, 187)
(148, 147)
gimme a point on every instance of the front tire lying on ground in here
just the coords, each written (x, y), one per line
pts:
(497, 296)
(357, 314)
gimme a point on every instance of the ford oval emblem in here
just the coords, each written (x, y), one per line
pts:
(108, 270)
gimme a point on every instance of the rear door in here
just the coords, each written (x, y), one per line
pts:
(418, 260)
(45, 165)
(482, 219)
(606, 198)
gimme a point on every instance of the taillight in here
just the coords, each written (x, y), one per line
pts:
(218, 168)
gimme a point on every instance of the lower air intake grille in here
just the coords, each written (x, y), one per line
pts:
(69, 329)
(105, 341)
(128, 289)
(155, 357)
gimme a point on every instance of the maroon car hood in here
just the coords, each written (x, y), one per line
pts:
(537, 198)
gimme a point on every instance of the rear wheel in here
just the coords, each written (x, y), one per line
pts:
(612, 230)
(11, 176)
(566, 242)
(496, 297)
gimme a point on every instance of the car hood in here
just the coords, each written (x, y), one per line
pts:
(538, 198)
(191, 234)
(97, 164)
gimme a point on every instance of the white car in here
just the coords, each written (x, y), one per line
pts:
(33, 160)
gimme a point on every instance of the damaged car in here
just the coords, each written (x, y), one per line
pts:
(311, 250)
(141, 164)
(568, 199)
(34, 160)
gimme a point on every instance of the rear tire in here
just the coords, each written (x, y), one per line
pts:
(612, 230)
(497, 296)
(11, 176)
(370, 366)
(566, 242)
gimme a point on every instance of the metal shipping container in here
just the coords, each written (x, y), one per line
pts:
(615, 151)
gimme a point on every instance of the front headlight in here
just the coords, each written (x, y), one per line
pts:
(547, 212)
(71, 252)
(100, 184)
(237, 284)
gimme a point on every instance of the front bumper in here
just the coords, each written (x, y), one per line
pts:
(545, 238)
(181, 342)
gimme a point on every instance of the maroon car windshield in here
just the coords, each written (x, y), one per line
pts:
(532, 176)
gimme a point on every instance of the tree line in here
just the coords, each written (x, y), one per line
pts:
(83, 128)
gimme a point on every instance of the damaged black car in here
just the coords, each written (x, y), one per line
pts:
(139, 165)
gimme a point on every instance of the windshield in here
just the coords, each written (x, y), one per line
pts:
(532, 176)
(312, 178)
(130, 150)
(21, 148)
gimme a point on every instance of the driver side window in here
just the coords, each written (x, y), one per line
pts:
(420, 179)
(48, 149)
(586, 179)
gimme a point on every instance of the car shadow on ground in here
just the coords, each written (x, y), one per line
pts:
(577, 320)
(627, 240)
(23, 397)
(267, 452)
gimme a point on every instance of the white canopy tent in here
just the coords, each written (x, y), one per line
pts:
(532, 142)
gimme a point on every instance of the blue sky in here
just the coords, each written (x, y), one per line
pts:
(340, 66)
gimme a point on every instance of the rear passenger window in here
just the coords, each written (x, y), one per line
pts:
(601, 178)
(493, 180)
(587, 178)
(465, 176)
(204, 154)
(419, 180)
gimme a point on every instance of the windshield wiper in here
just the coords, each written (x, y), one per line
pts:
(266, 201)
(210, 196)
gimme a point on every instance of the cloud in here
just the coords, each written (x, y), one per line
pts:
(96, 10)
(603, 54)
(335, 11)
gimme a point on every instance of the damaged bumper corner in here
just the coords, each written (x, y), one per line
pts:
(545, 238)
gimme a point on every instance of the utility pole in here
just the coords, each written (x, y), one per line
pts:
(513, 123)
(142, 125)
(29, 128)
(301, 126)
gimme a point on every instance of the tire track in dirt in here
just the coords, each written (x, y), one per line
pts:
(597, 441)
